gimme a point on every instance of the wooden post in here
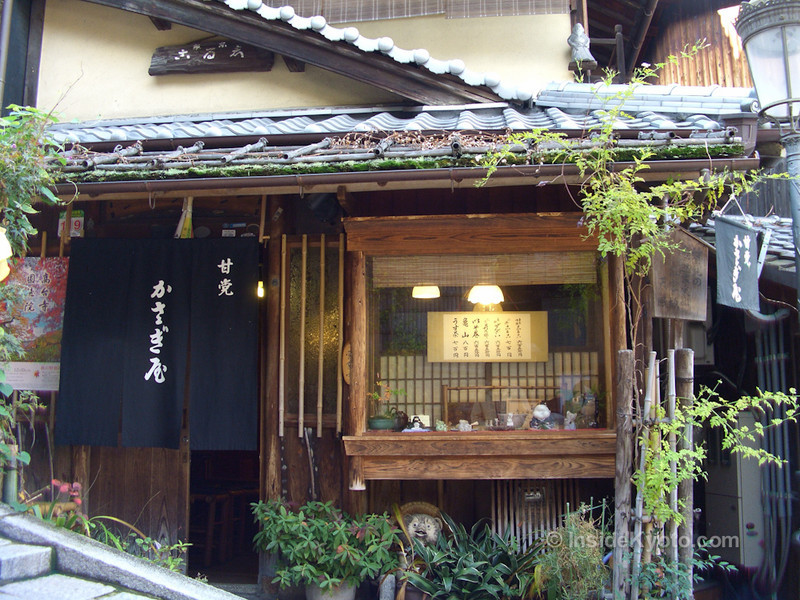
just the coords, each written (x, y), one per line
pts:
(356, 413)
(623, 394)
(684, 389)
(270, 443)
(355, 422)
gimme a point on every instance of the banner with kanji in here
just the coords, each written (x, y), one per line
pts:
(127, 355)
(737, 264)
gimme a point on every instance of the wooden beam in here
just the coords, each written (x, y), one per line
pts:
(34, 53)
(161, 24)
(294, 66)
(549, 443)
(506, 467)
(408, 81)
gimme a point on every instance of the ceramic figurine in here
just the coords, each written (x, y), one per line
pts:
(569, 420)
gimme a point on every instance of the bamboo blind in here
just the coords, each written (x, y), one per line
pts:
(502, 269)
(348, 11)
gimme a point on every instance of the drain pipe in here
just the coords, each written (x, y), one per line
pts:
(5, 40)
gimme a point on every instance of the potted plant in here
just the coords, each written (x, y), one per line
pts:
(382, 414)
(323, 548)
(478, 564)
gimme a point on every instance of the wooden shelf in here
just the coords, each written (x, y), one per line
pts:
(549, 454)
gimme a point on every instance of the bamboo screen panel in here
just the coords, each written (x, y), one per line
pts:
(530, 508)
(564, 372)
(502, 269)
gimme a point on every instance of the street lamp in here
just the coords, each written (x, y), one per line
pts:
(770, 32)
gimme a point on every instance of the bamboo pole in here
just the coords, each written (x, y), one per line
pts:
(673, 466)
(637, 524)
(321, 358)
(340, 330)
(263, 219)
(622, 476)
(655, 445)
(282, 343)
(66, 231)
(684, 390)
(301, 371)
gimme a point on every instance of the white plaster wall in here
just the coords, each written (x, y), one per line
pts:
(95, 61)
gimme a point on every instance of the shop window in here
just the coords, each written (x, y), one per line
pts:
(462, 363)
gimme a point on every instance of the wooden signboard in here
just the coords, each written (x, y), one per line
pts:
(210, 56)
(680, 282)
(487, 336)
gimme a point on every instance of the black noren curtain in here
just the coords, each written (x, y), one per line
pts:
(129, 309)
(224, 345)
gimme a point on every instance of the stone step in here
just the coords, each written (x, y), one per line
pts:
(20, 561)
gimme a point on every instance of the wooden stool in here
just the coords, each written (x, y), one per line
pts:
(211, 520)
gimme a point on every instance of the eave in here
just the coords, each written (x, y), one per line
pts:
(374, 181)
(406, 80)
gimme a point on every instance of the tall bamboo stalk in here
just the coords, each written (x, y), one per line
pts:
(673, 466)
(624, 467)
(321, 358)
(339, 390)
(301, 371)
(282, 343)
(644, 434)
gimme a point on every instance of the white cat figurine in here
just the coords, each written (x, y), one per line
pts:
(569, 420)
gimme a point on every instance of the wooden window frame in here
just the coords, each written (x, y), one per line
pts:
(474, 455)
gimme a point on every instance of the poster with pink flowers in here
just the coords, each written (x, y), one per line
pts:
(34, 314)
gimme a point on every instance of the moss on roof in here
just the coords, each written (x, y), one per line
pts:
(666, 152)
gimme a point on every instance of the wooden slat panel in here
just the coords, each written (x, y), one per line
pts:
(468, 234)
(510, 467)
(436, 444)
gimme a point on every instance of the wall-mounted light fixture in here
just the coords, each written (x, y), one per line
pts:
(425, 291)
(486, 294)
(260, 289)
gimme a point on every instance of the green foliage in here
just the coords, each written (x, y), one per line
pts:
(320, 544)
(662, 578)
(59, 504)
(478, 564)
(572, 567)
(14, 409)
(25, 153)
(708, 409)
(628, 217)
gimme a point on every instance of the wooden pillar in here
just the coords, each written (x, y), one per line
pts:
(624, 467)
(269, 443)
(684, 390)
(617, 331)
(355, 412)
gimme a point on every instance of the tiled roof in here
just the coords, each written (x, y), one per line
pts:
(561, 106)
(779, 265)
(386, 46)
